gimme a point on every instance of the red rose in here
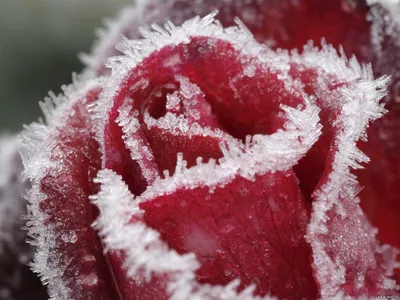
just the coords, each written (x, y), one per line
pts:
(219, 167)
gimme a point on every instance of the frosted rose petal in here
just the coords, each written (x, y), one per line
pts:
(61, 159)
(348, 258)
(267, 249)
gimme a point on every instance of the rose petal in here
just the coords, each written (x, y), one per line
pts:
(266, 250)
(158, 271)
(341, 22)
(379, 200)
(348, 258)
(340, 86)
(61, 159)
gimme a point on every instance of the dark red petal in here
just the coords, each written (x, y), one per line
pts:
(341, 22)
(372, 34)
(380, 180)
(267, 249)
(348, 258)
(61, 160)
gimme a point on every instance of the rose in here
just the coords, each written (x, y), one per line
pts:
(200, 91)
(368, 29)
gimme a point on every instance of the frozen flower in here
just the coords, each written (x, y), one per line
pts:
(207, 164)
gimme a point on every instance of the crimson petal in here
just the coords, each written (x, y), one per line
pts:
(341, 22)
(266, 250)
(61, 159)
(348, 258)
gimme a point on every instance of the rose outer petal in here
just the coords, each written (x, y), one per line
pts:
(341, 22)
(61, 160)
(380, 180)
(348, 258)
(247, 230)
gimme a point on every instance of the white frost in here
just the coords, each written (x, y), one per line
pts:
(109, 36)
(11, 190)
(385, 19)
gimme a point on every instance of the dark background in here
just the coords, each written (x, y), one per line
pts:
(39, 45)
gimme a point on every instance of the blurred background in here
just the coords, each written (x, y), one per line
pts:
(39, 45)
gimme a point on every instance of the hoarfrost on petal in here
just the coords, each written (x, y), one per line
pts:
(347, 256)
(61, 158)
(121, 225)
